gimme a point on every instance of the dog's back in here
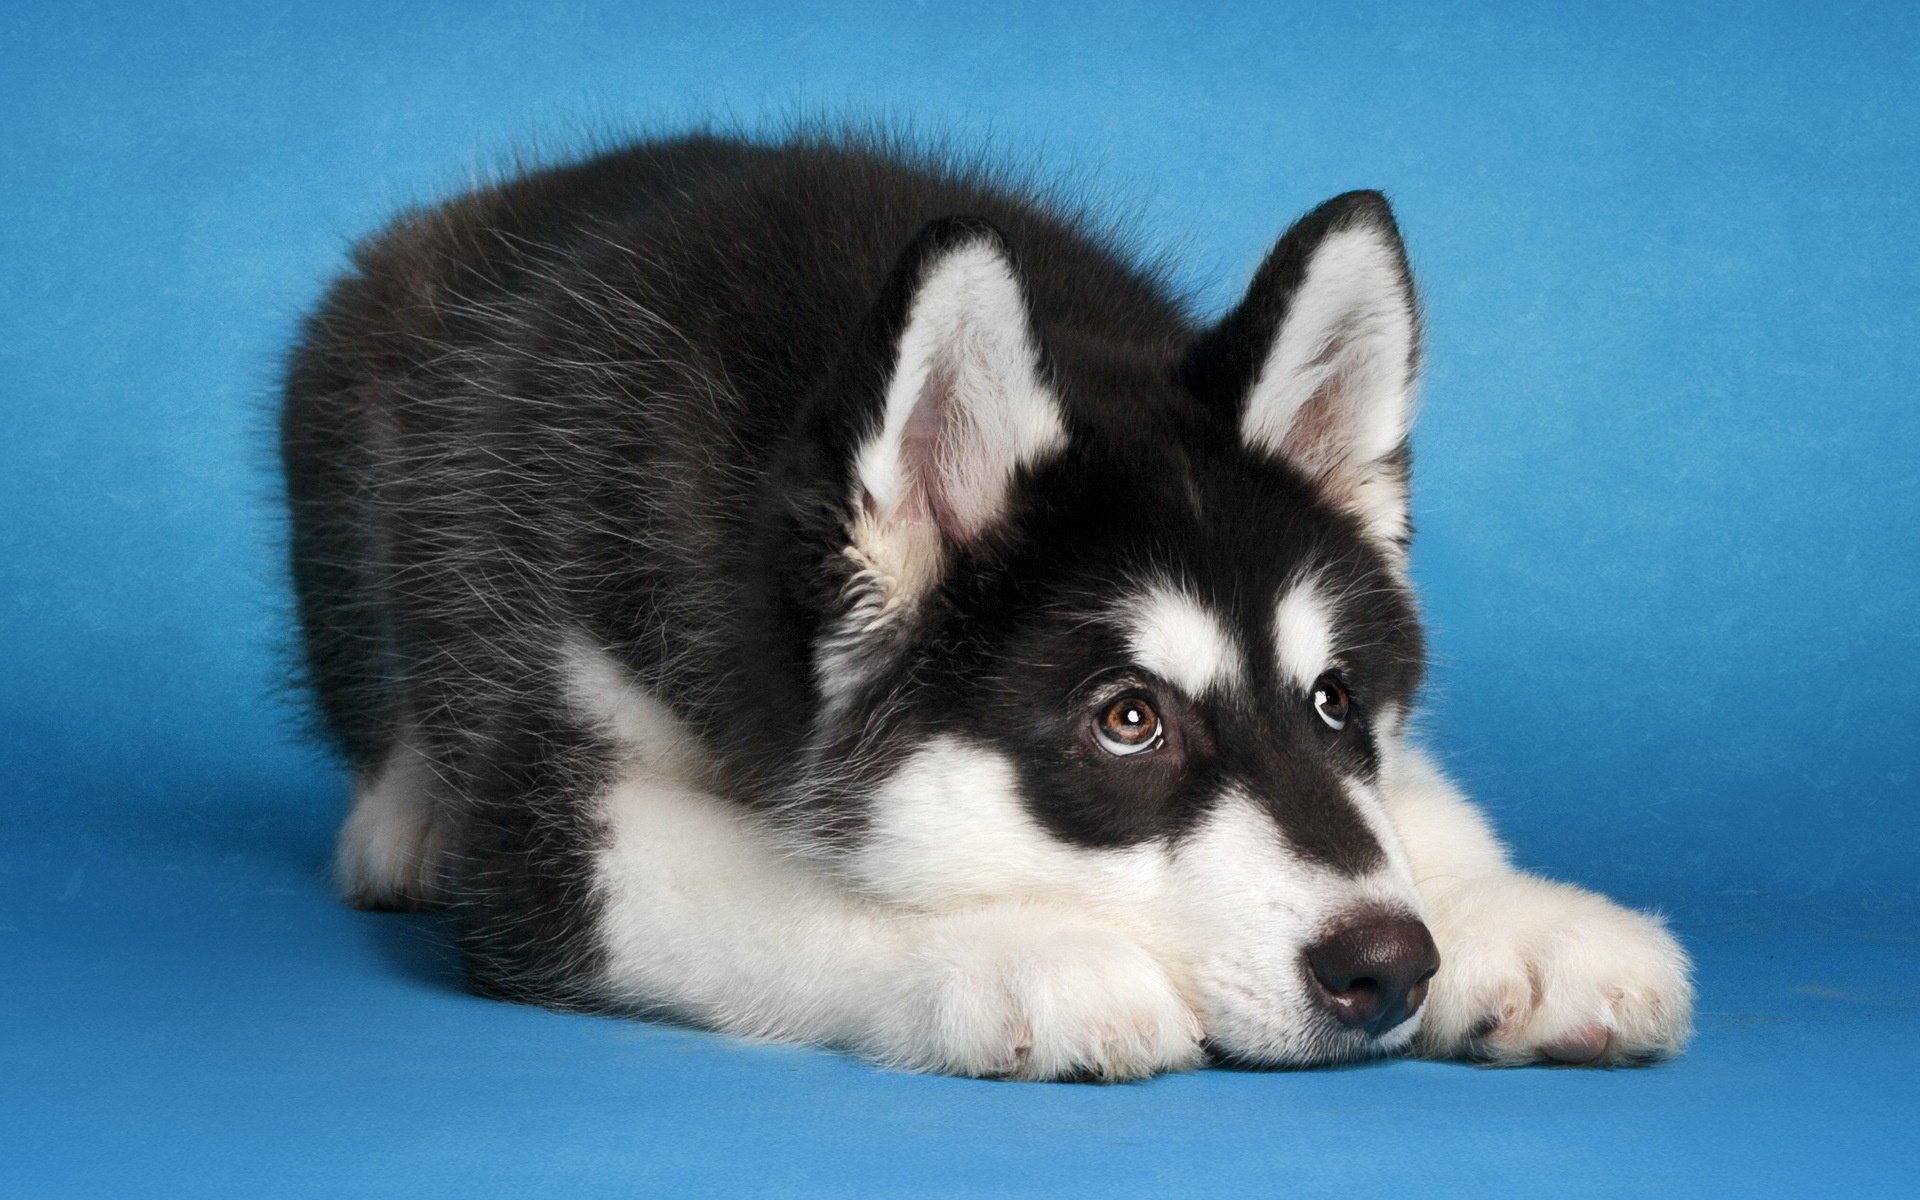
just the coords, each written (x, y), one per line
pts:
(556, 401)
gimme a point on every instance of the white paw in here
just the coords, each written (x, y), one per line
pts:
(391, 848)
(1536, 971)
(1023, 993)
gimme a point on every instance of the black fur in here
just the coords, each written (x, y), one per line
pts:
(618, 400)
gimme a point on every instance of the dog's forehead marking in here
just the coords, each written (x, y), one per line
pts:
(1303, 630)
(1172, 634)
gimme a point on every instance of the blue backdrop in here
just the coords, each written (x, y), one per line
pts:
(1666, 491)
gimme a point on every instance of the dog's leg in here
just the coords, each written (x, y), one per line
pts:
(705, 917)
(390, 849)
(1530, 969)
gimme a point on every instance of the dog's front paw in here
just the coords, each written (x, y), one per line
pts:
(1533, 971)
(1021, 993)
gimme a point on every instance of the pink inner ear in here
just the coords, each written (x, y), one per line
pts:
(922, 439)
(1314, 438)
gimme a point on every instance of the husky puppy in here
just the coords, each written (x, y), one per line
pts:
(829, 593)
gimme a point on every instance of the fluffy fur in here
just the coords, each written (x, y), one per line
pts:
(831, 594)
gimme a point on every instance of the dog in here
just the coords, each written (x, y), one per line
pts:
(826, 591)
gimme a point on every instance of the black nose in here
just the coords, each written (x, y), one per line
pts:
(1373, 972)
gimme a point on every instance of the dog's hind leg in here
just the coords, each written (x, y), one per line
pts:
(391, 850)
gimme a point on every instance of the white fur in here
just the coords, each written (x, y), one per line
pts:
(390, 850)
(1303, 632)
(967, 349)
(960, 937)
(707, 919)
(949, 830)
(1176, 638)
(602, 692)
(1065, 962)
(1248, 909)
(1529, 969)
(1335, 392)
(1032, 991)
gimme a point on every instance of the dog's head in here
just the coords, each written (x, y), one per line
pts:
(1133, 631)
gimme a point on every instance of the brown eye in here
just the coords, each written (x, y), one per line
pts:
(1128, 726)
(1331, 701)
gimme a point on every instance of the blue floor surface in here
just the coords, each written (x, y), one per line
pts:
(189, 1013)
(1666, 492)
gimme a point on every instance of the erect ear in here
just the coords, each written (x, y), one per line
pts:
(966, 405)
(1317, 363)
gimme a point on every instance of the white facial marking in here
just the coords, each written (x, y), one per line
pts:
(1176, 638)
(971, 940)
(1303, 631)
(950, 828)
(1392, 885)
(1251, 907)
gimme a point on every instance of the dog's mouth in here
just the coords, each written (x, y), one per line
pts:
(1340, 1049)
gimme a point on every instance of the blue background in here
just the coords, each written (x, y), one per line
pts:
(1666, 491)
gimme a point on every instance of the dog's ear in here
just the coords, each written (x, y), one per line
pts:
(1317, 363)
(966, 407)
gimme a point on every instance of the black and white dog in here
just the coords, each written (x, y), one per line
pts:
(828, 593)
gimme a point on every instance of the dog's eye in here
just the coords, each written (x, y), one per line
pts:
(1128, 726)
(1330, 700)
